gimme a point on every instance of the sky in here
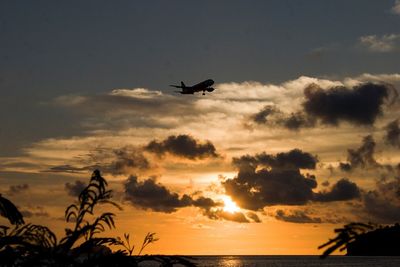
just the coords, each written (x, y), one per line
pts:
(300, 136)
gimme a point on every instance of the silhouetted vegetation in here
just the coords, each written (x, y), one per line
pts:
(9, 211)
(36, 245)
(360, 239)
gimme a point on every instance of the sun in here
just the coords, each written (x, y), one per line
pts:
(229, 205)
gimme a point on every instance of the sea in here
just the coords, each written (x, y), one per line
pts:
(291, 261)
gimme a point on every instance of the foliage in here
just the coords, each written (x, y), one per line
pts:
(345, 236)
(9, 211)
(36, 245)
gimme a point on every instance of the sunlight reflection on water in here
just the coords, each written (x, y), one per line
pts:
(297, 261)
(230, 261)
(292, 261)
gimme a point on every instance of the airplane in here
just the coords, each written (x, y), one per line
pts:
(203, 86)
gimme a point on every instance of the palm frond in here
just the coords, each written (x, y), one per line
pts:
(10, 211)
(345, 236)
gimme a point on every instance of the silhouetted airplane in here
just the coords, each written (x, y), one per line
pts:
(203, 86)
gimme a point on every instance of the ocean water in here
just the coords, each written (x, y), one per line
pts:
(292, 261)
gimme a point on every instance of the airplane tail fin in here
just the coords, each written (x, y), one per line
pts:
(179, 86)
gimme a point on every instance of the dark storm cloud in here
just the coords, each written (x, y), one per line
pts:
(362, 157)
(392, 136)
(16, 189)
(74, 189)
(359, 105)
(341, 191)
(183, 146)
(266, 179)
(296, 216)
(154, 196)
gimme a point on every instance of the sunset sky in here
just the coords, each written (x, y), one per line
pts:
(300, 136)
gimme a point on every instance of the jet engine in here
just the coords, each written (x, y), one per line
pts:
(210, 89)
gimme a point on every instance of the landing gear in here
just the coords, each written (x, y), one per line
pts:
(204, 92)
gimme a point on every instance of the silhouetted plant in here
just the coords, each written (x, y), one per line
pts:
(126, 244)
(36, 245)
(345, 236)
(9, 211)
(92, 195)
(148, 240)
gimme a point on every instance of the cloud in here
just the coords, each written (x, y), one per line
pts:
(136, 93)
(150, 195)
(396, 7)
(381, 44)
(74, 189)
(362, 157)
(296, 216)
(383, 203)
(34, 212)
(392, 136)
(253, 216)
(266, 179)
(359, 105)
(297, 120)
(67, 168)
(216, 213)
(153, 196)
(16, 189)
(261, 117)
(183, 146)
(294, 159)
(325, 183)
(205, 203)
(224, 215)
(341, 191)
(124, 160)
(393, 78)
(273, 116)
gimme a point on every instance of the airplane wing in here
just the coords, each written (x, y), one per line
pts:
(176, 86)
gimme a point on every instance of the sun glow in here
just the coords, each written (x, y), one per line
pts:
(229, 205)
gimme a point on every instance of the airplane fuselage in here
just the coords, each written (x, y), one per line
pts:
(203, 86)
